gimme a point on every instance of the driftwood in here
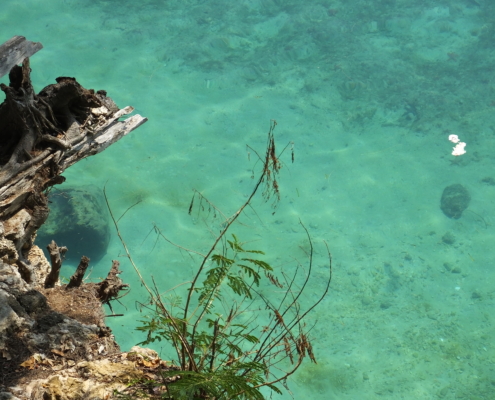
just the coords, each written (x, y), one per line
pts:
(112, 285)
(13, 51)
(56, 257)
(77, 278)
(44, 134)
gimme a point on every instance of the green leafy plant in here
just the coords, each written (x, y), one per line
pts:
(231, 340)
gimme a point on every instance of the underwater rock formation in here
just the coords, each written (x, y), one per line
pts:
(455, 199)
(78, 220)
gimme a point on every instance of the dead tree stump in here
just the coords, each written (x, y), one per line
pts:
(77, 278)
(41, 135)
(112, 285)
(56, 258)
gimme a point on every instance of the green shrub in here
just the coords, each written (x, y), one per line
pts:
(222, 350)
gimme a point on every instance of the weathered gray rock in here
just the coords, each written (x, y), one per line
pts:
(8, 396)
(32, 301)
(8, 253)
(10, 279)
(14, 228)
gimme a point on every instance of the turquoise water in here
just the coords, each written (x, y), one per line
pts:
(369, 93)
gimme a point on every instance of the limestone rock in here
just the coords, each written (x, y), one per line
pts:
(41, 266)
(10, 279)
(95, 380)
(8, 253)
(32, 301)
(15, 226)
(8, 317)
(87, 380)
(144, 352)
(7, 396)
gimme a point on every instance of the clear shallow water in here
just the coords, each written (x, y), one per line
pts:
(369, 93)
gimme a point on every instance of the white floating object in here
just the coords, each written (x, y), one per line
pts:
(458, 150)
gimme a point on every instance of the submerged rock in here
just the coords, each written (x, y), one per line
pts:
(455, 199)
(78, 220)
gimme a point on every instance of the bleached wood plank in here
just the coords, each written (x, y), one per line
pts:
(14, 50)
